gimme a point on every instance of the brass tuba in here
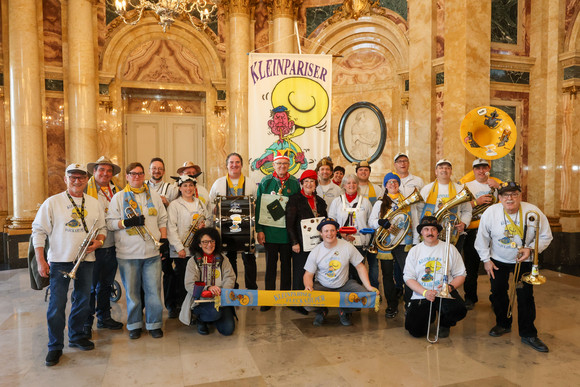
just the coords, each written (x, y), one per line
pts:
(444, 214)
(381, 235)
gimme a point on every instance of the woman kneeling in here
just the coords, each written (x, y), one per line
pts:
(207, 266)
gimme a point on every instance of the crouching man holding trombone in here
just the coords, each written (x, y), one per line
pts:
(506, 232)
(433, 271)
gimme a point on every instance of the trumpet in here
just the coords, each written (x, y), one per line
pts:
(444, 291)
(195, 223)
(444, 213)
(142, 230)
(381, 235)
(82, 253)
(533, 278)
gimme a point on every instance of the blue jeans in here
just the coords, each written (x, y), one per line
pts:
(373, 269)
(222, 319)
(104, 272)
(55, 315)
(146, 273)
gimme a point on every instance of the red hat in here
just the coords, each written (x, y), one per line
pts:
(309, 174)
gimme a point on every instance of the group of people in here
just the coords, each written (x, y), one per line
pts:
(151, 229)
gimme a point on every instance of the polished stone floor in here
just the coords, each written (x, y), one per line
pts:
(283, 348)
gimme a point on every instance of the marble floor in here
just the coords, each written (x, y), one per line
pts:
(283, 348)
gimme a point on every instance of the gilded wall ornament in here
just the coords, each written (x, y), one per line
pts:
(353, 9)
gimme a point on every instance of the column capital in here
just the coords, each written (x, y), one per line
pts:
(238, 6)
(284, 8)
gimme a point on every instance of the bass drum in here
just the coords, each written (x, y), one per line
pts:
(235, 222)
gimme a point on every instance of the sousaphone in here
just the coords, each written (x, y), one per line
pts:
(488, 133)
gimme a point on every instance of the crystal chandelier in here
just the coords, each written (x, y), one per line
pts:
(168, 10)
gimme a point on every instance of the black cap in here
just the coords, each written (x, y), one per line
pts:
(429, 221)
(508, 186)
(326, 221)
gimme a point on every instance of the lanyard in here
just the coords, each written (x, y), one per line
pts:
(81, 212)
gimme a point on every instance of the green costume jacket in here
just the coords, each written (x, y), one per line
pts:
(267, 185)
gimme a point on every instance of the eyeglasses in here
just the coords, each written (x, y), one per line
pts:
(158, 169)
(136, 174)
(278, 163)
(509, 195)
(402, 161)
(210, 242)
(77, 178)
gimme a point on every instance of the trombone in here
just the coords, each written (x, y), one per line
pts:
(82, 253)
(533, 278)
(142, 230)
(444, 291)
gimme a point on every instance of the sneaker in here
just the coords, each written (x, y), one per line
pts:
(391, 312)
(52, 357)
(535, 343)
(156, 333)
(469, 304)
(109, 323)
(319, 319)
(88, 332)
(134, 334)
(498, 331)
(202, 328)
(345, 319)
(265, 308)
(443, 332)
(82, 344)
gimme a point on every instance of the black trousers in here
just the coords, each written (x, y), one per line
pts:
(417, 315)
(275, 251)
(525, 297)
(472, 262)
(250, 268)
(173, 277)
(388, 268)
(298, 262)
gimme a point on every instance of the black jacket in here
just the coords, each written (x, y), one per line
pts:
(298, 209)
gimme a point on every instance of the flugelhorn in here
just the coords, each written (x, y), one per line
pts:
(195, 223)
(444, 213)
(394, 217)
(444, 291)
(82, 252)
(142, 230)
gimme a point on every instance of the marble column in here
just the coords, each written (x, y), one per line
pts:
(466, 66)
(421, 101)
(569, 191)
(82, 83)
(283, 37)
(27, 136)
(237, 74)
(545, 106)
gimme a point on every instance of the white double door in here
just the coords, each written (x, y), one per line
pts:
(174, 138)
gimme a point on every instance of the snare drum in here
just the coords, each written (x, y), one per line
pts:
(235, 222)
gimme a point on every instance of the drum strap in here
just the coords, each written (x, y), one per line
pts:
(231, 191)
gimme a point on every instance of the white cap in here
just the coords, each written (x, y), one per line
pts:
(77, 168)
(399, 155)
(480, 162)
(443, 161)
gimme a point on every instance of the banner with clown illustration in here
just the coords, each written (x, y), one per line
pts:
(289, 110)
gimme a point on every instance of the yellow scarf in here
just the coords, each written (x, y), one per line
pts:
(237, 189)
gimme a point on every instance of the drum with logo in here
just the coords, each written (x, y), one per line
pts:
(235, 221)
